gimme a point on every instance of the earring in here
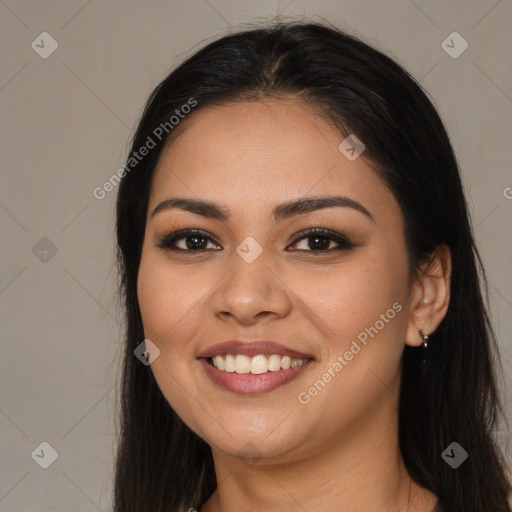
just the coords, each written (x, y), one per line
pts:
(425, 338)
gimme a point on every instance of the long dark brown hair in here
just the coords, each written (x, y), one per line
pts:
(161, 465)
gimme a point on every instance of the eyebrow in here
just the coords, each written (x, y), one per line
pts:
(281, 212)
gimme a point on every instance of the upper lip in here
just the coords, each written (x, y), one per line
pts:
(251, 349)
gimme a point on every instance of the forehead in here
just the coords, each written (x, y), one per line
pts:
(248, 153)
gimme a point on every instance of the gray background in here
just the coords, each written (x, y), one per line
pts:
(66, 125)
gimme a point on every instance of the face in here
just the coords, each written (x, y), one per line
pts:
(327, 282)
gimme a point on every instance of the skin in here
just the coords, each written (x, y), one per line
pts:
(250, 157)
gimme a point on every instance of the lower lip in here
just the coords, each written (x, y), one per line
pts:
(250, 384)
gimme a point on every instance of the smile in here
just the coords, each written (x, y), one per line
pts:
(241, 377)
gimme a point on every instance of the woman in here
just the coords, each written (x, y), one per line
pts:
(302, 291)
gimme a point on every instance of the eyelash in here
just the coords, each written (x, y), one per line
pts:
(343, 242)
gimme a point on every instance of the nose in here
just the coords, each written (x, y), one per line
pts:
(251, 292)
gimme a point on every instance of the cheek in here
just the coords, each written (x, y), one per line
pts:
(362, 308)
(172, 303)
(353, 298)
(163, 299)
(166, 306)
(361, 311)
(152, 295)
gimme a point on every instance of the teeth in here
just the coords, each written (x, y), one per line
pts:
(259, 365)
(242, 364)
(230, 363)
(219, 363)
(256, 365)
(274, 363)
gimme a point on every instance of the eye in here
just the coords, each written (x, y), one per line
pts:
(194, 240)
(320, 239)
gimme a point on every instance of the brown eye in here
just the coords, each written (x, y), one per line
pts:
(320, 240)
(193, 240)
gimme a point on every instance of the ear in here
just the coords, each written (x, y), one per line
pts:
(430, 296)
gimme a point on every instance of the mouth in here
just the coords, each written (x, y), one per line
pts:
(253, 367)
(258, 375)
